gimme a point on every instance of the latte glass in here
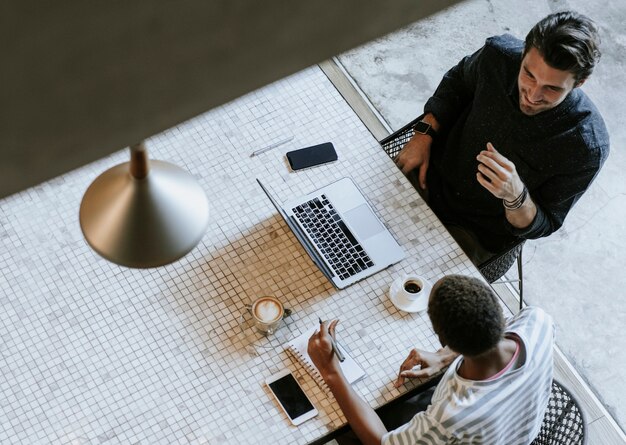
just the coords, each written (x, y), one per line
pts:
(267, 313)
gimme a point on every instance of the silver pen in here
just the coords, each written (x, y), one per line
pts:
(269, 147)
(339, 354)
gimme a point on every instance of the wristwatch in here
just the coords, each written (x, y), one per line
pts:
(424, 128)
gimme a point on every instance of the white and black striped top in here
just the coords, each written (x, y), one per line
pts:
(507, 410)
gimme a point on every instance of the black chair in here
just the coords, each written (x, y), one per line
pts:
(494, 268)
(564, 421)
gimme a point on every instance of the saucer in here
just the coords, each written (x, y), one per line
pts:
(405, 305)
(250, 337)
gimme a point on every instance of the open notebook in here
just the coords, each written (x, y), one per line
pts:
(298, 347)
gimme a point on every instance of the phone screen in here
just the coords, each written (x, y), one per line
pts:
(312, 156)
(291, 396)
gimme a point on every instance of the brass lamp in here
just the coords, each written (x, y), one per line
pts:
(144, 213)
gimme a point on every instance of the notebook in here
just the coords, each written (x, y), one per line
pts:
(340, 232)
(298, 347)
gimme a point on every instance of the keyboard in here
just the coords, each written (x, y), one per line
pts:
(332, 237)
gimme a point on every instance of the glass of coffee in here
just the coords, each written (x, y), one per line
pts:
(267, 313)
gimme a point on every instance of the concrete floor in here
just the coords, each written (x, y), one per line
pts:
(577, 274)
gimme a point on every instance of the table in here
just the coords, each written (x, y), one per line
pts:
(93, 353)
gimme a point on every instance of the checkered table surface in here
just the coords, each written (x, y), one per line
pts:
(92, 353)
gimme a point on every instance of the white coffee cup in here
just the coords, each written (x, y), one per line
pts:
(267, 313)
(410, 293)
(412, 288)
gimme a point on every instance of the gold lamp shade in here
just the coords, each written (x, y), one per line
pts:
(144, 213)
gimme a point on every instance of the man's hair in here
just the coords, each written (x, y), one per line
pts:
(567, 41)
(466, 315)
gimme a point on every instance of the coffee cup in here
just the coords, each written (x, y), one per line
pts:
(412, 288)
(267, 313)
(410, 293)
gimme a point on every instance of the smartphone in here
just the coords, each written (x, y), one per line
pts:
(312, 156)
(291, 397)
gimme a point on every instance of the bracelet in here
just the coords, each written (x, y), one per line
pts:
(517, 202)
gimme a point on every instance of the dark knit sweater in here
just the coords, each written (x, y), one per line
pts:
(557, 153)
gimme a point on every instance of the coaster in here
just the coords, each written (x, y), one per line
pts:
(404, 304)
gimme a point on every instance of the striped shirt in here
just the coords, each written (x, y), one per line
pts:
(507, 410)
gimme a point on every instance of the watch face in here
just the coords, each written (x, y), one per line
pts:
(421, 127)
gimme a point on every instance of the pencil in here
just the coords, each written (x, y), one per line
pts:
(269, 147)
(339, 354)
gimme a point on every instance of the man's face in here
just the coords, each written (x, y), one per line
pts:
(541, 87)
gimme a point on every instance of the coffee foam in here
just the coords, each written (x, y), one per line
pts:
(267, 310)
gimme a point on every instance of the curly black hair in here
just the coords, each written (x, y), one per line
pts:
(466, 315)
(567, 41)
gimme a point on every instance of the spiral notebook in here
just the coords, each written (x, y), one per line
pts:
(298, 347)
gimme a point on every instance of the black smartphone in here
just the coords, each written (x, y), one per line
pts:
(312, 156)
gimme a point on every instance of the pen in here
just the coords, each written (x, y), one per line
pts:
(269, 147)
(340, 355)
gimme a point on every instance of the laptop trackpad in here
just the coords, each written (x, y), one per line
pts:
(363, 222)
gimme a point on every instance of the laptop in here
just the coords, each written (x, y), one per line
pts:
(340, 232)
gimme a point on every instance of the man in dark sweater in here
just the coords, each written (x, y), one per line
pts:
(508, 142)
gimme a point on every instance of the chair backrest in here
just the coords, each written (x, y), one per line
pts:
(564, 421)
(496, 267)
(393, 143)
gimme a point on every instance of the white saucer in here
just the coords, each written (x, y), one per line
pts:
(405, 305)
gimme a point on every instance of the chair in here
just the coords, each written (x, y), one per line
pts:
(564, 421)
(495, 267)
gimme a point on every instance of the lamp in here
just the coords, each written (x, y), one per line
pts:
(144, 213)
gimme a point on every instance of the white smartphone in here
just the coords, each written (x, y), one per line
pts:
(291, 397)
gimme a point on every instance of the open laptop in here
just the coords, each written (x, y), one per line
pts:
(340, 232)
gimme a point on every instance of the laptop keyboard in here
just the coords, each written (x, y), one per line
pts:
(332, 237)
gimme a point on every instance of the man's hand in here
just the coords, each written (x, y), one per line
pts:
(320, 349)
(498, 175)
(416, 153)
(427, 363)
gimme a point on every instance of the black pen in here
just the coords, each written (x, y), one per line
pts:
(340, 356)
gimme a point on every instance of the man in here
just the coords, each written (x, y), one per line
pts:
(513, 142)
(495, 390)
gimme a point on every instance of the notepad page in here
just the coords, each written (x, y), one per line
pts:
(350, 368)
